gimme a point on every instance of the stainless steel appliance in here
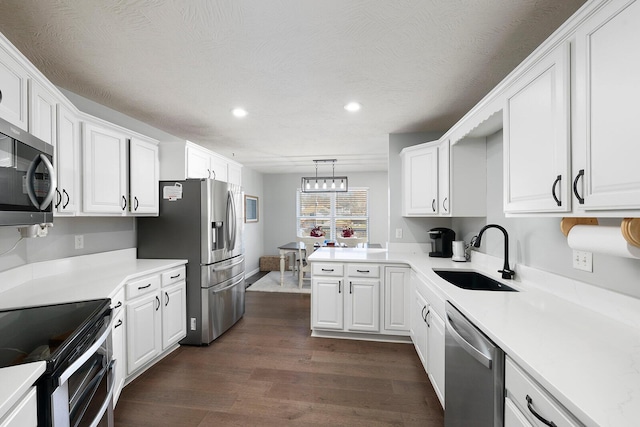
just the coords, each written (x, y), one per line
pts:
(201, 220)
(74, 339)
(474, 375)
(27, 177)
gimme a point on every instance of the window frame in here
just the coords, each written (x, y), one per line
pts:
(332, 218)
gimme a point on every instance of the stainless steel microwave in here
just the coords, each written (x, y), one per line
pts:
(27, 178)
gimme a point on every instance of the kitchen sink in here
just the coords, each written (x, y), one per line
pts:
(472, 280)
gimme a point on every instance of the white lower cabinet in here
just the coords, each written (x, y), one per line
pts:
(419, 331)
(512, 415)
(118, 336)
(174, 314)
(435, 353)
(156, 316)
(143, 330)
(397, 300)
(362, 305)
(343, 299)
(428, 334)
(328, 306)
(360, 298)
(528, 404)
(24, 414)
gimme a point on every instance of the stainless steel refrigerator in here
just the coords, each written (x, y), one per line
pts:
(201, 220)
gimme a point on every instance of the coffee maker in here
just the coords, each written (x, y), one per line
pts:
(442, 241)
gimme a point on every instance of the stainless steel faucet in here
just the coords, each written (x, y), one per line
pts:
(507, 273)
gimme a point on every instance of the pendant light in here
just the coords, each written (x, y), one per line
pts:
(324, 188)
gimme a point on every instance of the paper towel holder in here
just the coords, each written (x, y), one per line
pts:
(629, 227)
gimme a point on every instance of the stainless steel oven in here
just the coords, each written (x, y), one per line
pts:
(27, 178)
(74, 339)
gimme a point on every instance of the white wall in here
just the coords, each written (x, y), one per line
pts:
(538, 242)
(280, 207)
(253, 185)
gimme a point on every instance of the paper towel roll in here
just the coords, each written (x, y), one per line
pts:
(601, 239)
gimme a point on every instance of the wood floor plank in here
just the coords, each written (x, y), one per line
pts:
(268, 370)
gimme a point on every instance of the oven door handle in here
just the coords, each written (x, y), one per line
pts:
(109, 398)
(87, 354)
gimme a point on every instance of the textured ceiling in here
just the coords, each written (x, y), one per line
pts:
(182, 65)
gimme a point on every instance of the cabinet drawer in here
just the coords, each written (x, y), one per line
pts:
(173, 276)
(324, 269)
(25, 413)
(117, 302)
(363, 270)
(143, 286)
(518, 386)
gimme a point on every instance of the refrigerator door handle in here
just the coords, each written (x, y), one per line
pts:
(231, 220)
(228, 266)
(235, 283)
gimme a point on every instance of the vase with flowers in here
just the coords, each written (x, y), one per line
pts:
(348, 232)
(317, 231)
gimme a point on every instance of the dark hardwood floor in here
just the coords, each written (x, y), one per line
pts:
(268, 371)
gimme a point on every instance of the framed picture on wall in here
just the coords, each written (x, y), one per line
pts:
(250, 208)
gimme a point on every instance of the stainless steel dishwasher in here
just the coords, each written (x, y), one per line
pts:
(474, 375)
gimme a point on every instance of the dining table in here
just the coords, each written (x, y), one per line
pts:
(284, 250)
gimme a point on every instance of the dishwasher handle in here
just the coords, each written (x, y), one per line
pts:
(468, 347)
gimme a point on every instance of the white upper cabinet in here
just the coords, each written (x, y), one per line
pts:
(234, 171)
(202, 163)
(144, 169)
(13, 91)
(420, 180)
(536, 137)
(444, 201)
(67, 162)
(198, 163)
(607, 91)
(443, 179)
(120, 171)
(104, 169)
(42, 113)
(183, 159)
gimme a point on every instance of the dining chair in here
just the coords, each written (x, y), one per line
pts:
(309, 247)
(350, 242)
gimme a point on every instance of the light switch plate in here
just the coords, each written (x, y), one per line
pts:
(583, 260)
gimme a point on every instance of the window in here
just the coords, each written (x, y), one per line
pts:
(333, 212)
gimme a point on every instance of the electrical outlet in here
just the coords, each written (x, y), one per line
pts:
(583, 260)
(79, 240)
(398, 233)
(193, 323)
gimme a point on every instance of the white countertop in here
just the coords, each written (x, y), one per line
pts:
(65, 280)
(74, 280)
(15, 381)
(581, 343)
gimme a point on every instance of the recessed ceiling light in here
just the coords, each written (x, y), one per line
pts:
(353, 107)
(239, 112)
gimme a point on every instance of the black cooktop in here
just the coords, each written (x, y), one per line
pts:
(50, 332)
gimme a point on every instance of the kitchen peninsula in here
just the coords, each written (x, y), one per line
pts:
(579, 342)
